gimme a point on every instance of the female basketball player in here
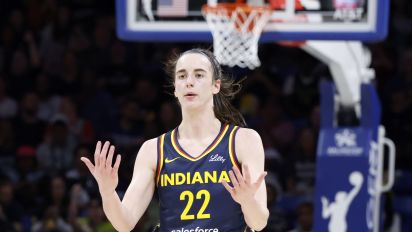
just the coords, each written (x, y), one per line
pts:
(209, 172)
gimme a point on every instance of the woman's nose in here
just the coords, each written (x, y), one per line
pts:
(189, 81)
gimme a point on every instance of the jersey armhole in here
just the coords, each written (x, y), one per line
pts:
(232, 148)
(160, 155)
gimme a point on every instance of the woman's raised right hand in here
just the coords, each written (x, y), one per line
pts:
(105, 174)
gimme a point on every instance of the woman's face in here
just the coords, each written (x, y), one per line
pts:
(194, 85)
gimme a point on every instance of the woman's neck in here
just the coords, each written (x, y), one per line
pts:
(199, 124)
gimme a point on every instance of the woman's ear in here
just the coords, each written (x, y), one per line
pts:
(216, 86)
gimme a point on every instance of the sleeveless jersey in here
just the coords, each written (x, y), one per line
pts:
(191, 195)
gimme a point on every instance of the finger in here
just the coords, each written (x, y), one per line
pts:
(227, 187)
(105, 148)
(239, 176)
(233, 179)
(97, 153)
(110, 157)
(246, 173)
(260, 179)
(103, 154)
(89, 164)
(116, 164)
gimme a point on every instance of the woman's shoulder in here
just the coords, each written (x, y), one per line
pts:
(248, 142)
(153, 142)
(149, 144)
(245, 133)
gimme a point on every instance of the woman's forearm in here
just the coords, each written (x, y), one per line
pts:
(256, 215)
(117, 213)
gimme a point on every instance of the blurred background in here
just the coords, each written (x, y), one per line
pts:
(67, 81)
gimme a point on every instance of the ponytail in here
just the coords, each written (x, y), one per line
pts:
(222, 107)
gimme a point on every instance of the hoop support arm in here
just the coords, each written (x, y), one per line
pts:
(349, 64)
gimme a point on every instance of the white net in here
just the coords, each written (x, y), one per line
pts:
(236, 33)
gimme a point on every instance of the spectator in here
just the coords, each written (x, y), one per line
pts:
(79, 174)
(79, 200)
(28, 127)
(128, 132)
(302, 170)
(95, 220)
(118, 73)
(97, 105)
(55, 194)
(20, 72)
(8, 106)
(27, 192)
(145, 93)
(249, 107)
(304, 218)
(399, 127)
(278, 221)
(102, 40)
(55, 154)
(277, 129)
(51, 222)
(79, 127)
(7, 139)
(5, 224)
(169, 116)
(48, 102)
(68, 81)
(10, 209)
(26, 164)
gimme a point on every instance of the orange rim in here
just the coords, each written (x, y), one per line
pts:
(229, 8)
(233, 6)
(291, 43)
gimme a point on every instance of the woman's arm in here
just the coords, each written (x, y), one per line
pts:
(249, 188)
(126, 213)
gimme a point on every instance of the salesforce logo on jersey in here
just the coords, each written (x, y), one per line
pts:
(345, 143)
(197, 229)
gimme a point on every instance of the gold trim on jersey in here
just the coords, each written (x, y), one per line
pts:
(160, 157)
(232, 153)
(207, 151)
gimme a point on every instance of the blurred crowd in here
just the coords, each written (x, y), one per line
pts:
(67, 81)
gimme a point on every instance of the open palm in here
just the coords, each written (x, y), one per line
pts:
(243, 189)
(103, 171)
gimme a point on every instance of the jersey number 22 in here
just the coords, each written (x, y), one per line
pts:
(201, 194)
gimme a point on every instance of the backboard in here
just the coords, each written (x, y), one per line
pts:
(294, 20)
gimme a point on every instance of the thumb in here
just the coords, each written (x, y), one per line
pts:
(89, 164)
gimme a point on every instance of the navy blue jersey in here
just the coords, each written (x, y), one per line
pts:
(192, 197)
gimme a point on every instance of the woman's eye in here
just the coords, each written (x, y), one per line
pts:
(199, 75)
(181, 76)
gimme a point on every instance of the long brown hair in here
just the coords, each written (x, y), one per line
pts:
(223, 109)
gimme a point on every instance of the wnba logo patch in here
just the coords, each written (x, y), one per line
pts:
(345, 138)
(345, 143)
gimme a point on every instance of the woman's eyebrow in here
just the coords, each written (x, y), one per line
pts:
(196, 70)
(181, 70)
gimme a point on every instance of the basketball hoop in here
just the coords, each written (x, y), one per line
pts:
(236, 29)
